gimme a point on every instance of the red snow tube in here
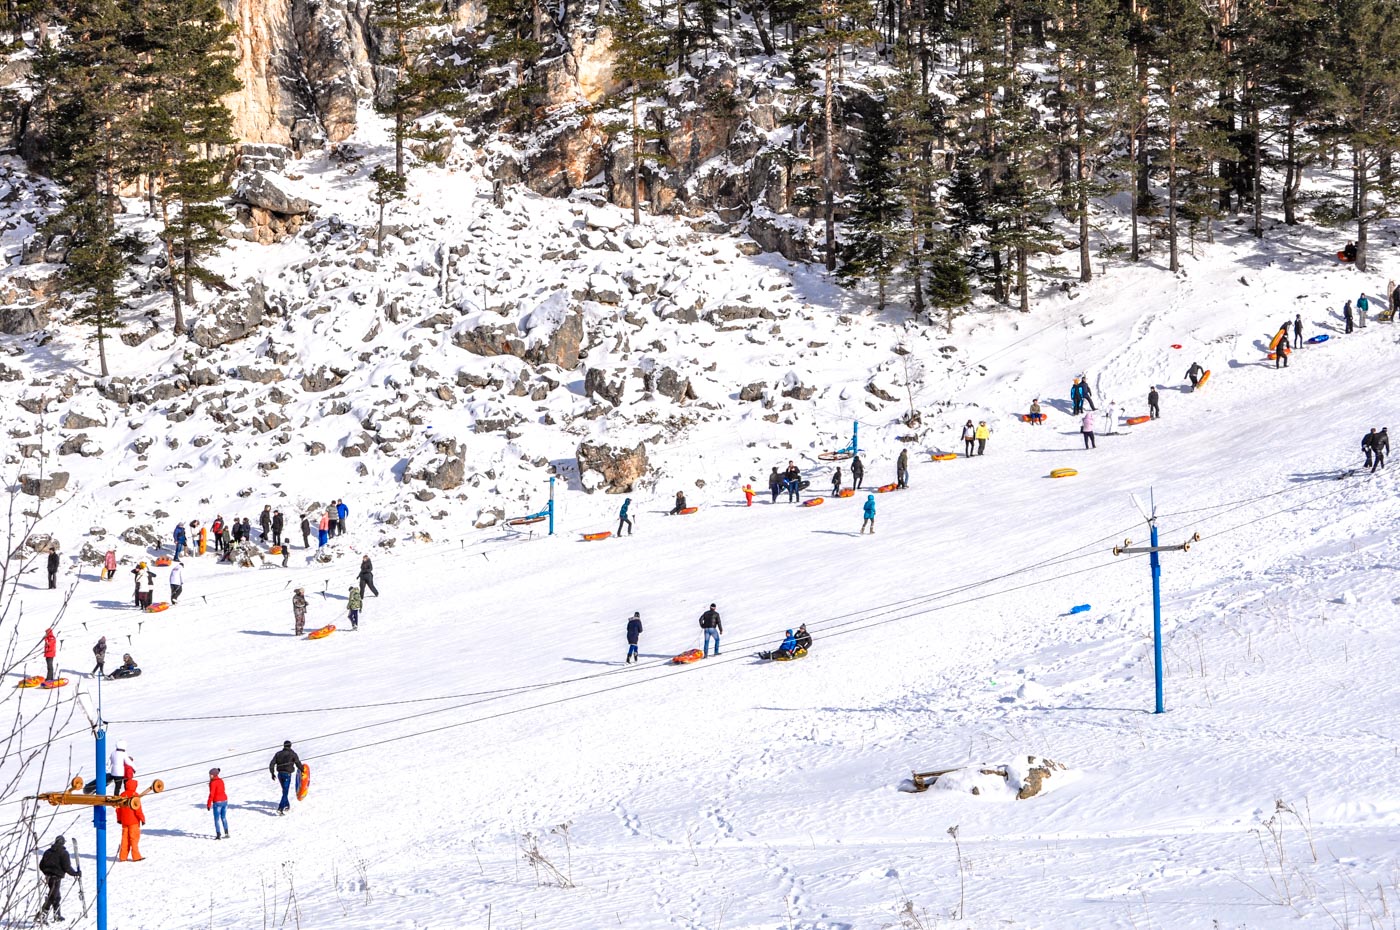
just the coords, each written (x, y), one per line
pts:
(592, 536)
(162, 562)
(688, 510)
(886, 488)
(846, 492)
(322, 633)
(685, 658)
(813, 502)
(1134, 421)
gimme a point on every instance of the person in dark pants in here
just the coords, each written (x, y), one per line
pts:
(1088, 394)
(53, 569)
(680, 504)
(1281, 353)
(341, 513)
(277, 524)
(857, 473)
(1193, 374)
(969, 438)
(367, 577)
(1076, 396)
(50, 652)
(775, 484)
(265, 523)
(623, 519)
(712, 627)
(53, 865)
(284, 767)
(1346, 316)
(634, 632)
(1153, 410)
(1298, 329)
(836, 481)
(1368, 446)
(901, 469)
(305, 532)
(100, 653)
(1382, 447)
(792, 480)
(299, 610)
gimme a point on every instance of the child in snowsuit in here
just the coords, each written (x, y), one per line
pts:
(50, 652)
(131, 821)
(299, 610)
(353, 604)
(634, 632)
(748, 495)
(869, 520)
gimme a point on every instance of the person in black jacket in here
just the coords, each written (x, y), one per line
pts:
(775, 483)
(1281, 352)
(1152, 399)
(1086, 393)
(277, 524)
(836, 482)
(53, 865)
(284, 767)
(680, 504)
(792, 480)
(53, 569)
(901, 469)
(265, 522)
(634, 632)
(1298, 329)
(1368, 445)
(804, 639)
(857, 472)
(367, 577)
(1193, 374)
(710, 623)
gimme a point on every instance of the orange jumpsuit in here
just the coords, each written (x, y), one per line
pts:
(131, 821)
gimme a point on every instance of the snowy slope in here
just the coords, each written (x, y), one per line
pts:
(483, 707)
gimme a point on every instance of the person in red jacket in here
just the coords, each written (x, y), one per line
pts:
(131, 821)
(50, 651)
(218, 803)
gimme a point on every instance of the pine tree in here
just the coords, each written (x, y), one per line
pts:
(389, 186)
(947, 277)
(514, 40)
(641, 49)
(421, 84)
(875, 228)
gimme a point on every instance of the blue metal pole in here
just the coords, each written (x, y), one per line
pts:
(1157, 617)
(855, 438)
(551, 505)
(99, 820)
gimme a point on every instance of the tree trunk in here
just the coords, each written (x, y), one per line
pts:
(1175, 262)
(1363, 194)
(170, 265)
(1022, 283)
(379, 233)
(636, 160)
(1135, 252)
(1257, 170)
(829, 150)
(1086, 270)
(1293, 173)
(101, 349)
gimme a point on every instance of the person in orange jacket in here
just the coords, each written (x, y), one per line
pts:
(50, 651)
(218, 803)
(131, 821)
(748, 495)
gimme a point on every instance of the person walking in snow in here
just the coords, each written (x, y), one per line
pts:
(1281, 353)
(99, 652)
(1346, 316)
(341, 513)
(901, 469)
(353, 604)
(1194, 373)
(1382, 448)
(1363, 303)
(265, 523)
(305, 532)
(836, 482)
(1368, 447)
(857, 472)
(969, 438)
(622, 517)
(747, 490)
(680, 504)
(634, 633)
(1086, 429)
(367, 576)
(218, 803)
(53, 865)
(177, 582)
(869, 515)
(1153, 410)
(284, 766)
(775, 484)
(53, 567)
(1298, 329)
(299, 610)
(109, 565)
(1076, 396)
(50, 653)
(712, 627)
(181, 539)
(983, 433)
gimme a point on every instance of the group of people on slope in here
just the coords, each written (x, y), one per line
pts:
(712, 627)
(1376, 446)
(354, 600)
(975, 438)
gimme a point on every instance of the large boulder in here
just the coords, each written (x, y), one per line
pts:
(45, 487)
(20, 321)
(449, 475)
(230, 320)
(614, 469)
(596, 384)
(260, 189)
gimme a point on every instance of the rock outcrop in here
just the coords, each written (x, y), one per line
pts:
(615, 470)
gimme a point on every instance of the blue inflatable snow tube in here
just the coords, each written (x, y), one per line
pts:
(1320, 337)
(1079, 608)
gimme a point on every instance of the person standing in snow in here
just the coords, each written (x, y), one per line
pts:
(277, 524)
(1076, 396)
(1363, 303)
(857, 472)
(53, 865)
(284, 766)
(712, 627)
(836, 482)
(218, 803)
(120, 766)
(901, 469)
(1111, 415)
(323, 530)
(109, 565)
(341, 512)
(353, 604)
(217, 528)
(145, 585)
(177, 582)
(1393, 295)
(227, 540)
(1382, 446)
(1086, 429)
(286, 553)
(53, 567)
(181, 539)
(50, 653)
(775, 484)
(634, 633)
(299, 610)
(623, 519)
(969, 438)
(265, 523)
(869, 518)
(1298, 329)
(792, 478)
(747, 490)
(1368, 446)
(1281, 353)
(983, 433)
(1088, 394)
(305, 532)
(1193, 374)
(367, 576)
(1153, 410)
(131, 820)
(1346, 316)
(100, 653)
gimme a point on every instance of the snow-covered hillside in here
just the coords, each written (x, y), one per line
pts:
(483, 758)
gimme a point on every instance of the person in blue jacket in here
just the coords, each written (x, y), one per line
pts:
(789, 645)
(869, 514)
(634, 632)
(341, 512)
(623, 518)
(1076, 396)
(180, 539)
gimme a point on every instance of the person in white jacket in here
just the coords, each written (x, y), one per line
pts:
(120, 766)
(177, 583)
(1086, 426)
(1112, 414)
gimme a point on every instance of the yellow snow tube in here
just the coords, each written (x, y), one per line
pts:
(1063, 473)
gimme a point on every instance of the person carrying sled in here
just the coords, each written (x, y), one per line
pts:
(869, 515)
(712, 627)
(218, 803)
(99, 652)
(623, 519)
(901, 469)
(50, 652)
(284, 766)
(53, 865)
(1154, 411)
(131, 820)
(1193, 374)
(634, 633)
(680, 504)
(299, 610)
(128, 668)
(53, 568)
(366, 577)
(354, 602)
(775, 484)
(857, 472)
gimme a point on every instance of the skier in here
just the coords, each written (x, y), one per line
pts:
(983, 433)
(177, 582)
(120, 764)
(353, 604)
(1076, 395)
(265, 523)
(792, 478)
(367, 576)
(634, 632)
(623, 519)
(857, 472)
(1194, 374)
(1037, 417)
(277, 524)
(305, 532)
(680, 504)
(869, 520)
(218, 803)
(1298, 329)
(131, 821)
(1086, 429)
(901, 469)
(1346, 316)
(341, 512)
(1088, 394)
(1281, 353)
(53, 568)
(181, 539)
(1363, 303)
(284, 766)
(1153, 410)
(299, 610)
(747, 490)
(100, 653)
(50, 652)
(53, 865)
(775, 483)
(836, 482)
(804, 639)
(712, 627)
(109, 565)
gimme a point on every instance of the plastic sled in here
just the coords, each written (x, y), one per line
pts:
(322, 633)
(122, 672)
(1176, 345)
(163, 561)
(688, 510)
(1134, 421)
(1342, 257)
(275, 550)
(949, 456)
(1032, 417)
(56, 683)
(1318, 339)
(1063, 473)
(886, 488)
(685, 658)
(33, 681)
(1274, 355)
(813, 502)
(1204, 378)
(303, 781)
(157, 608)
(846, 492)
(523, 521)
(592, 536)
(834, 456)
(782, 657)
